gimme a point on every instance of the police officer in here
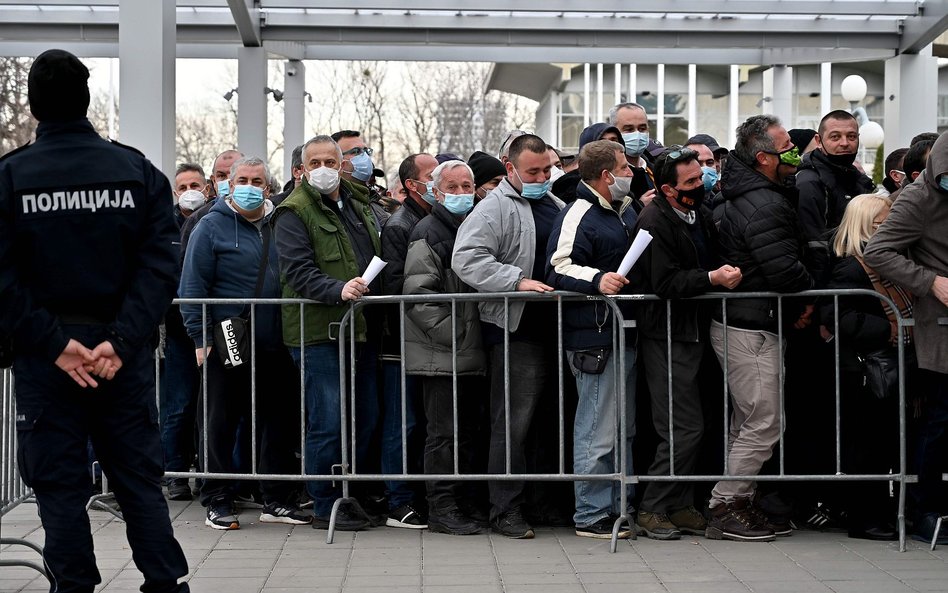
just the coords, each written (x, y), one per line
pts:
(87, 269)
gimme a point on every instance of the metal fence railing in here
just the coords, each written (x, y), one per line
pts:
(347, 471)
(13, 491)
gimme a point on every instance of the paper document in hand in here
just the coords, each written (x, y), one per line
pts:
(642, 239)
(375, 266)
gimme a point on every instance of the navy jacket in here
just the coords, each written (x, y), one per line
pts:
(222, 261)
(86, 236)
(589, 239)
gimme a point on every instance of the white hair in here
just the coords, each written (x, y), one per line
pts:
(614, 112)
(447, 166)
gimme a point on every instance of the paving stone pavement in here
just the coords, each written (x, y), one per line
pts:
(282, 559)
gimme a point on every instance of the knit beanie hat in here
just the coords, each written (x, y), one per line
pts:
(485, 167)
(58, 86)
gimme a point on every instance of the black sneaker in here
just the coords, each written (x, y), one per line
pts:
(345, 521)
(179, 489)
(512, 525)
(452, 521)
(474, 513)
(284, 513)
(406, 518)
(602, 529)
(735, 522)
(221, 516)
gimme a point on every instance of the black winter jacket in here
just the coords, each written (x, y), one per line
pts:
(825, 190)
(863, 324)
(395, 240)
(760, 234)
(670, 268)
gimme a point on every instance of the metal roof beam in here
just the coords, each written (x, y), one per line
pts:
(247, 18)
(785, 7)
(920, 31)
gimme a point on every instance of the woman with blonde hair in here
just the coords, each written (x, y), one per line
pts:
(867, 325)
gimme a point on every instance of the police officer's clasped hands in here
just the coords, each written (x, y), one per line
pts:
(81, 364)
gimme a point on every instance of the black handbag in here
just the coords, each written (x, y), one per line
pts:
(880, 371)
(232, 335)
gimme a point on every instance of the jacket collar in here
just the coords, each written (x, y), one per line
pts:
(414, 207)
(73, 126)
(444, 216)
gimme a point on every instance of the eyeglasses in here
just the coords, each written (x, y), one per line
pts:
(358, 150)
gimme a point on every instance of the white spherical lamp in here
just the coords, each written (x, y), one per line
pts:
(871, 135)
(853, 88)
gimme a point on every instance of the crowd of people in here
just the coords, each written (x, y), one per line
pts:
(783, 212)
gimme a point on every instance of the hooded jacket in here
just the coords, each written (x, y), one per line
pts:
(496, 248)
(911, 249)
(760, 234)
(222, 262)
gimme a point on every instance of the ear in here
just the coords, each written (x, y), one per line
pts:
(819, 141)
(668, 190)
(761, 158)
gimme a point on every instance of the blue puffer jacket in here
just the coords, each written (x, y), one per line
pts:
(589, 239)
(223, 261)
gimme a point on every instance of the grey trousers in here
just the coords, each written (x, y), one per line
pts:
(753, 370)
(687, 416)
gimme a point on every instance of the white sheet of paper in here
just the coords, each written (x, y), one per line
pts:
(642, 239)
(375, 266)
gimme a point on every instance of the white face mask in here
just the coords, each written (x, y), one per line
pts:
(191, 200)
(324, 179)
(556, 173)
(620, 188)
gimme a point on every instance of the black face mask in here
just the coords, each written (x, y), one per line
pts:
(841, 160)
(690, 198)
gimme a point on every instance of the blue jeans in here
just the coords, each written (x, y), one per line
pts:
(179, 395)
(323, 445)
(595, 434)
(399, 492)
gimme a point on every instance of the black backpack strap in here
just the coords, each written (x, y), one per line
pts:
(262, 274)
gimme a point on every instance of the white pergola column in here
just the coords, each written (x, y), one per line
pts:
(826, 88)
(733, 104)
(252, 102)
(692, 99)
(782, 105)
(146, 80)
(294, 116)
(911, 97)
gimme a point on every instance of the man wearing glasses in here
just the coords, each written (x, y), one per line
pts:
(357, 168)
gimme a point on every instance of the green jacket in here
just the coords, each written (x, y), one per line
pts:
(333, 255)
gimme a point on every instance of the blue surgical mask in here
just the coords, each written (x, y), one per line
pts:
(247, 197)
(943, 182)
(223, 188)
(533, 191)
(428, 196)
(362, 167)
(459, 204)
(635, 142)
(710, 177)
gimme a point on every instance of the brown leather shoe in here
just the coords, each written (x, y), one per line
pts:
(689, 520)
(735, 521)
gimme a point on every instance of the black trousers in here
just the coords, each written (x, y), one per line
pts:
(688, 419)
(439, 442)
(55, 420)
(532, 374)
(278, 425)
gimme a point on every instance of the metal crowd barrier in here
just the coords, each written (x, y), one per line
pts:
(349, 471)
(13, 491)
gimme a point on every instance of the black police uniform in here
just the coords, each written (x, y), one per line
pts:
(86, 252)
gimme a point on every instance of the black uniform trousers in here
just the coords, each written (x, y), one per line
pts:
(55, 420)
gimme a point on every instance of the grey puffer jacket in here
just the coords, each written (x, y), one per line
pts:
(428, 326)
(496, 248)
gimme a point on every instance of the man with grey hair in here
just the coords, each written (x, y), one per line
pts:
(214, 268)
(437, 348)
(632, 122)
(326, 235)
(760, 235)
